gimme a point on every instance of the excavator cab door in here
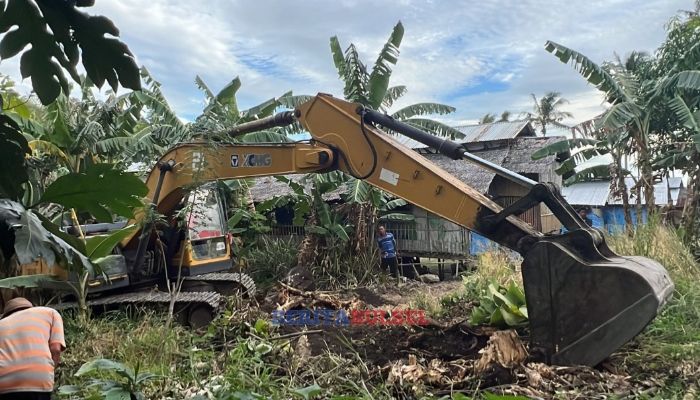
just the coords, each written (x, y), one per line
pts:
(206, 226)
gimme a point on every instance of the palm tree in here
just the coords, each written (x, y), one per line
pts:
(547, 111)
(505, 116)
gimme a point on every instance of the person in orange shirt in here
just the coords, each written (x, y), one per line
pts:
(31, 342)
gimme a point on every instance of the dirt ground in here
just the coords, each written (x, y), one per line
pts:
(401, 295)
(446, 354)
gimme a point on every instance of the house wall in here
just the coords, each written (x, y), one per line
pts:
(505, 193)
(550, 223)
(429, 236)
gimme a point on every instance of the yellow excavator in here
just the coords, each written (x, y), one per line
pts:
(583, 300)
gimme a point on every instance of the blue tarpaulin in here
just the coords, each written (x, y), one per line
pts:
(479, 244)
(614, 218)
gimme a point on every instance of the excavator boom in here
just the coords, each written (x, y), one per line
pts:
(583, 300)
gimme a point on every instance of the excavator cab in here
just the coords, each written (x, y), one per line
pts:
(205, 241)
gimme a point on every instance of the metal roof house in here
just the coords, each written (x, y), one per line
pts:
(669, 194)
(670, 191)
(483, 133)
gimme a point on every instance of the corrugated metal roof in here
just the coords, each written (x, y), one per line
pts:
(598, 193)
(481, 133)
(661, 191)
(587, 193)
(494, 131)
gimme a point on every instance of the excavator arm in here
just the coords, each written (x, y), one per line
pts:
(583, 300)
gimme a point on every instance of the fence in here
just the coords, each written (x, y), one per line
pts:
(285, 232)
(445, 240)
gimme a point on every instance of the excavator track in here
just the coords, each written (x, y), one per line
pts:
(196, 305)
(196, 309)
(226, 282)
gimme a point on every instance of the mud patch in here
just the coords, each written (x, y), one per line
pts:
(371, 297)
(379, 345)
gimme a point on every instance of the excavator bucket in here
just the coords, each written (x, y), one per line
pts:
(580, 310)
(584, 302)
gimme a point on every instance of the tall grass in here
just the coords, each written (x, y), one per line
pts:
(496, 266)
(343, 269)
(144, 341)
(659, 243)
(669, 348)
(337, 268)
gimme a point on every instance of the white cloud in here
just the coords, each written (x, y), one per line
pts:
(448, 46)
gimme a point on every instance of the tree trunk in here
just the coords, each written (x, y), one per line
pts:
(621, 190)
(647, 174)
(638, 206)
(692, 202)
(307, 251)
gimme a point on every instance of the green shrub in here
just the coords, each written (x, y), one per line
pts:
(502, 307)
(112, 380)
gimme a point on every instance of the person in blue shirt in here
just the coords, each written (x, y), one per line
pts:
(387, 249)
(589, 217)
(587, 214)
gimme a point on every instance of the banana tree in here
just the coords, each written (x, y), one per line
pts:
(685, 155)
(373, 90)
(583, 164)
(28, 236)
(323, 226)
(630, 107)
(367, 205)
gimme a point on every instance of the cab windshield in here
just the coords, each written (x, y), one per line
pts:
(206, 224)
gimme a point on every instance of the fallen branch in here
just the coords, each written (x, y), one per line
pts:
(294, 334)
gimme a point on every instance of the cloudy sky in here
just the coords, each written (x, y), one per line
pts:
(479, 56)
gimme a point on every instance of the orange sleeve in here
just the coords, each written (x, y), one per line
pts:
(57, 330)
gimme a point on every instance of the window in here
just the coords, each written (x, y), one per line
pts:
(206, 224)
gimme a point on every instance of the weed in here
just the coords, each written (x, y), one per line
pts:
(662, 244)
(432, 305)
(271, 259)
(124, 382)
